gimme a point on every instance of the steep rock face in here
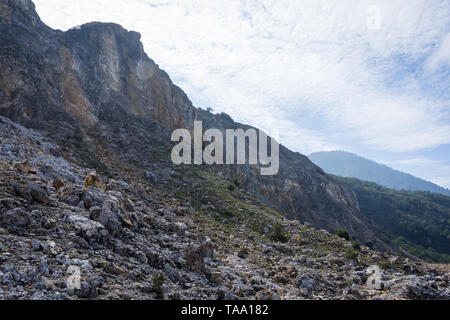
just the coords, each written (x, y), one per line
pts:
(94, 85)
(97, 73)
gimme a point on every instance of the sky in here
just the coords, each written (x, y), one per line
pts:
(369, 77)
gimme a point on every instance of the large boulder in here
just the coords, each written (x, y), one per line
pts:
(196, 253)
(91, 231)
(93, 197)
(109, 216)
(16, 220)
(31, 192)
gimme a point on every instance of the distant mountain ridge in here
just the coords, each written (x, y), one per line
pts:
(346, 164)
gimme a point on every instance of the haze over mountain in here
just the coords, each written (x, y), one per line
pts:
(346, 164)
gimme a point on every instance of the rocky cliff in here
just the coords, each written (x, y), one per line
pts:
(95, 90)
(139, 227)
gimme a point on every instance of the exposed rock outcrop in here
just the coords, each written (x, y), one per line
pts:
(140, 243)
(94, 88)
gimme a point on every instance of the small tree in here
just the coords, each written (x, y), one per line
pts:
(279, 233)
(343, 234)
(158, 281)
(356, 245)
(351, 255)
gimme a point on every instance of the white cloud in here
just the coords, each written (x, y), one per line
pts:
(440, 57)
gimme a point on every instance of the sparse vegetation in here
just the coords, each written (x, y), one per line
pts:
(141, 227)
(356, 245)
(342, 234)
(351, 255)
(279, 233)
(418, 222)
(385, 264)
(158, 281)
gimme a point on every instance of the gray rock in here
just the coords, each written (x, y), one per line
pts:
(15, 220)
(36, 245)
(39, 194)
(89, 288)
(195, 255)
(91, 231)
(242, 290)
(72, 200)
(109, 216)
(92, 198)
(151, 177)
(63, 259)
(306, 284)
(172, 273)
(43, 267)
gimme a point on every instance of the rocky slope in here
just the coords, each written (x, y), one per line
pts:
(132, 241)
(139, 227)
(95, 90)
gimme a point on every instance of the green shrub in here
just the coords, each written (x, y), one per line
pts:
(417, 222)
(231, 187)
(356, 245)
(227, 213)
(158, 281)
(279, 233)
(351, 255)
(385, 264)
(343, 234)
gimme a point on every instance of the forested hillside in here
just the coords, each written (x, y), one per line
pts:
(419, 222)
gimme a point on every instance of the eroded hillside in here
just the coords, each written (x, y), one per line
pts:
(203, 240)
(139, 227)
(93, 87)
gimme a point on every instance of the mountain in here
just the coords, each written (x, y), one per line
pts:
(347, 164)
(419, 221)
(87, 185)
(95, 90)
